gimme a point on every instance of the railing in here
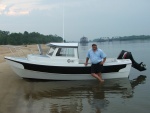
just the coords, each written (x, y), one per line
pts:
(18, 50)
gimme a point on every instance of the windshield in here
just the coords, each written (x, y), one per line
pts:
(67, 52)
(51, 51)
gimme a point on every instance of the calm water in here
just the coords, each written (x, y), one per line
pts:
(114, 96)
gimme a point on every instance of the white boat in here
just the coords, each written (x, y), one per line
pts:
(62, 62)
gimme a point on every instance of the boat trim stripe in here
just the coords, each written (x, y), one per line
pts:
(67, 69)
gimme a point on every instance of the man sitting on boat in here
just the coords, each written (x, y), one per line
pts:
(97, 58)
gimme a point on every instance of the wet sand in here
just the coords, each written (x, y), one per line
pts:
(17, 94)
(10, 90)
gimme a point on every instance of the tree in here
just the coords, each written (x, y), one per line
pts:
(27, 38)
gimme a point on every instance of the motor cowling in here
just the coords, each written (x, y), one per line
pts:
(128, 55)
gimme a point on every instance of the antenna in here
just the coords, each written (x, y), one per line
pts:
(63, 23)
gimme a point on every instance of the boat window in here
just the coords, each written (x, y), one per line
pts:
(68, 52)
(51, 51)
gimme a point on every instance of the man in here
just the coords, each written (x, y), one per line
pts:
(97, 58)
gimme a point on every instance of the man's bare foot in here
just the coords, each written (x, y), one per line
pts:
(102, 81)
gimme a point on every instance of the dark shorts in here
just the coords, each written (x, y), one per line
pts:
(96, 68)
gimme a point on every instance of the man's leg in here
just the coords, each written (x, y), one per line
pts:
(100, 75)
(97, 76)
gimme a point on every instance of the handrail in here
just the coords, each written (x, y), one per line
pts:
(17, 50)
(12, 52)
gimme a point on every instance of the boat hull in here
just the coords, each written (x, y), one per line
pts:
(19, 69)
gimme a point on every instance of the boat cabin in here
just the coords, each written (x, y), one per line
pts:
(63, 52)
(59, 53)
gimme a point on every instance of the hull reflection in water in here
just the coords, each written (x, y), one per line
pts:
(76, 96)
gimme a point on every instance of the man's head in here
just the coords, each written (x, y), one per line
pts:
(94, 47)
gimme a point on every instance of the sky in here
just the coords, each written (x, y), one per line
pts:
(74, 19)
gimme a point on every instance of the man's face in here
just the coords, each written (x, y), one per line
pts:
(94, 47)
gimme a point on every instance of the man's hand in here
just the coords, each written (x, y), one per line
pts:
(102, 62)
(86, 63)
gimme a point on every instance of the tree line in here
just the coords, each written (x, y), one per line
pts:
(26, 38)
(123, 38)
(133, 37)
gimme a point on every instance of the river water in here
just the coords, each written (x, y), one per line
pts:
(130, 95)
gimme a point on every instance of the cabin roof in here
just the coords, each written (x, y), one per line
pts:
(70, 45)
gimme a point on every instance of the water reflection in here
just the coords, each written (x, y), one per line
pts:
(77, 96)
(139, 80)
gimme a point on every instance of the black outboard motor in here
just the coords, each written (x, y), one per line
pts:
(127, 55)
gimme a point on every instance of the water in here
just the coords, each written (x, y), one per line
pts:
(114, 96)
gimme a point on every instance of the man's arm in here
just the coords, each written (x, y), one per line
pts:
(87, 58)
(86, 62)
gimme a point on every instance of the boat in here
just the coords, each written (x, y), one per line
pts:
(84, 40)
(62, 62)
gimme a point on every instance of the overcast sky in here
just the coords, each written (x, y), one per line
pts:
(90, 18)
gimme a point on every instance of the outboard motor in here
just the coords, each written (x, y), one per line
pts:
(127, 55)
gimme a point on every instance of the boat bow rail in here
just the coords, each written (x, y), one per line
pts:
(19, 51)
(70, 45)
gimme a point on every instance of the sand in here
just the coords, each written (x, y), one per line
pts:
(14, 92)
